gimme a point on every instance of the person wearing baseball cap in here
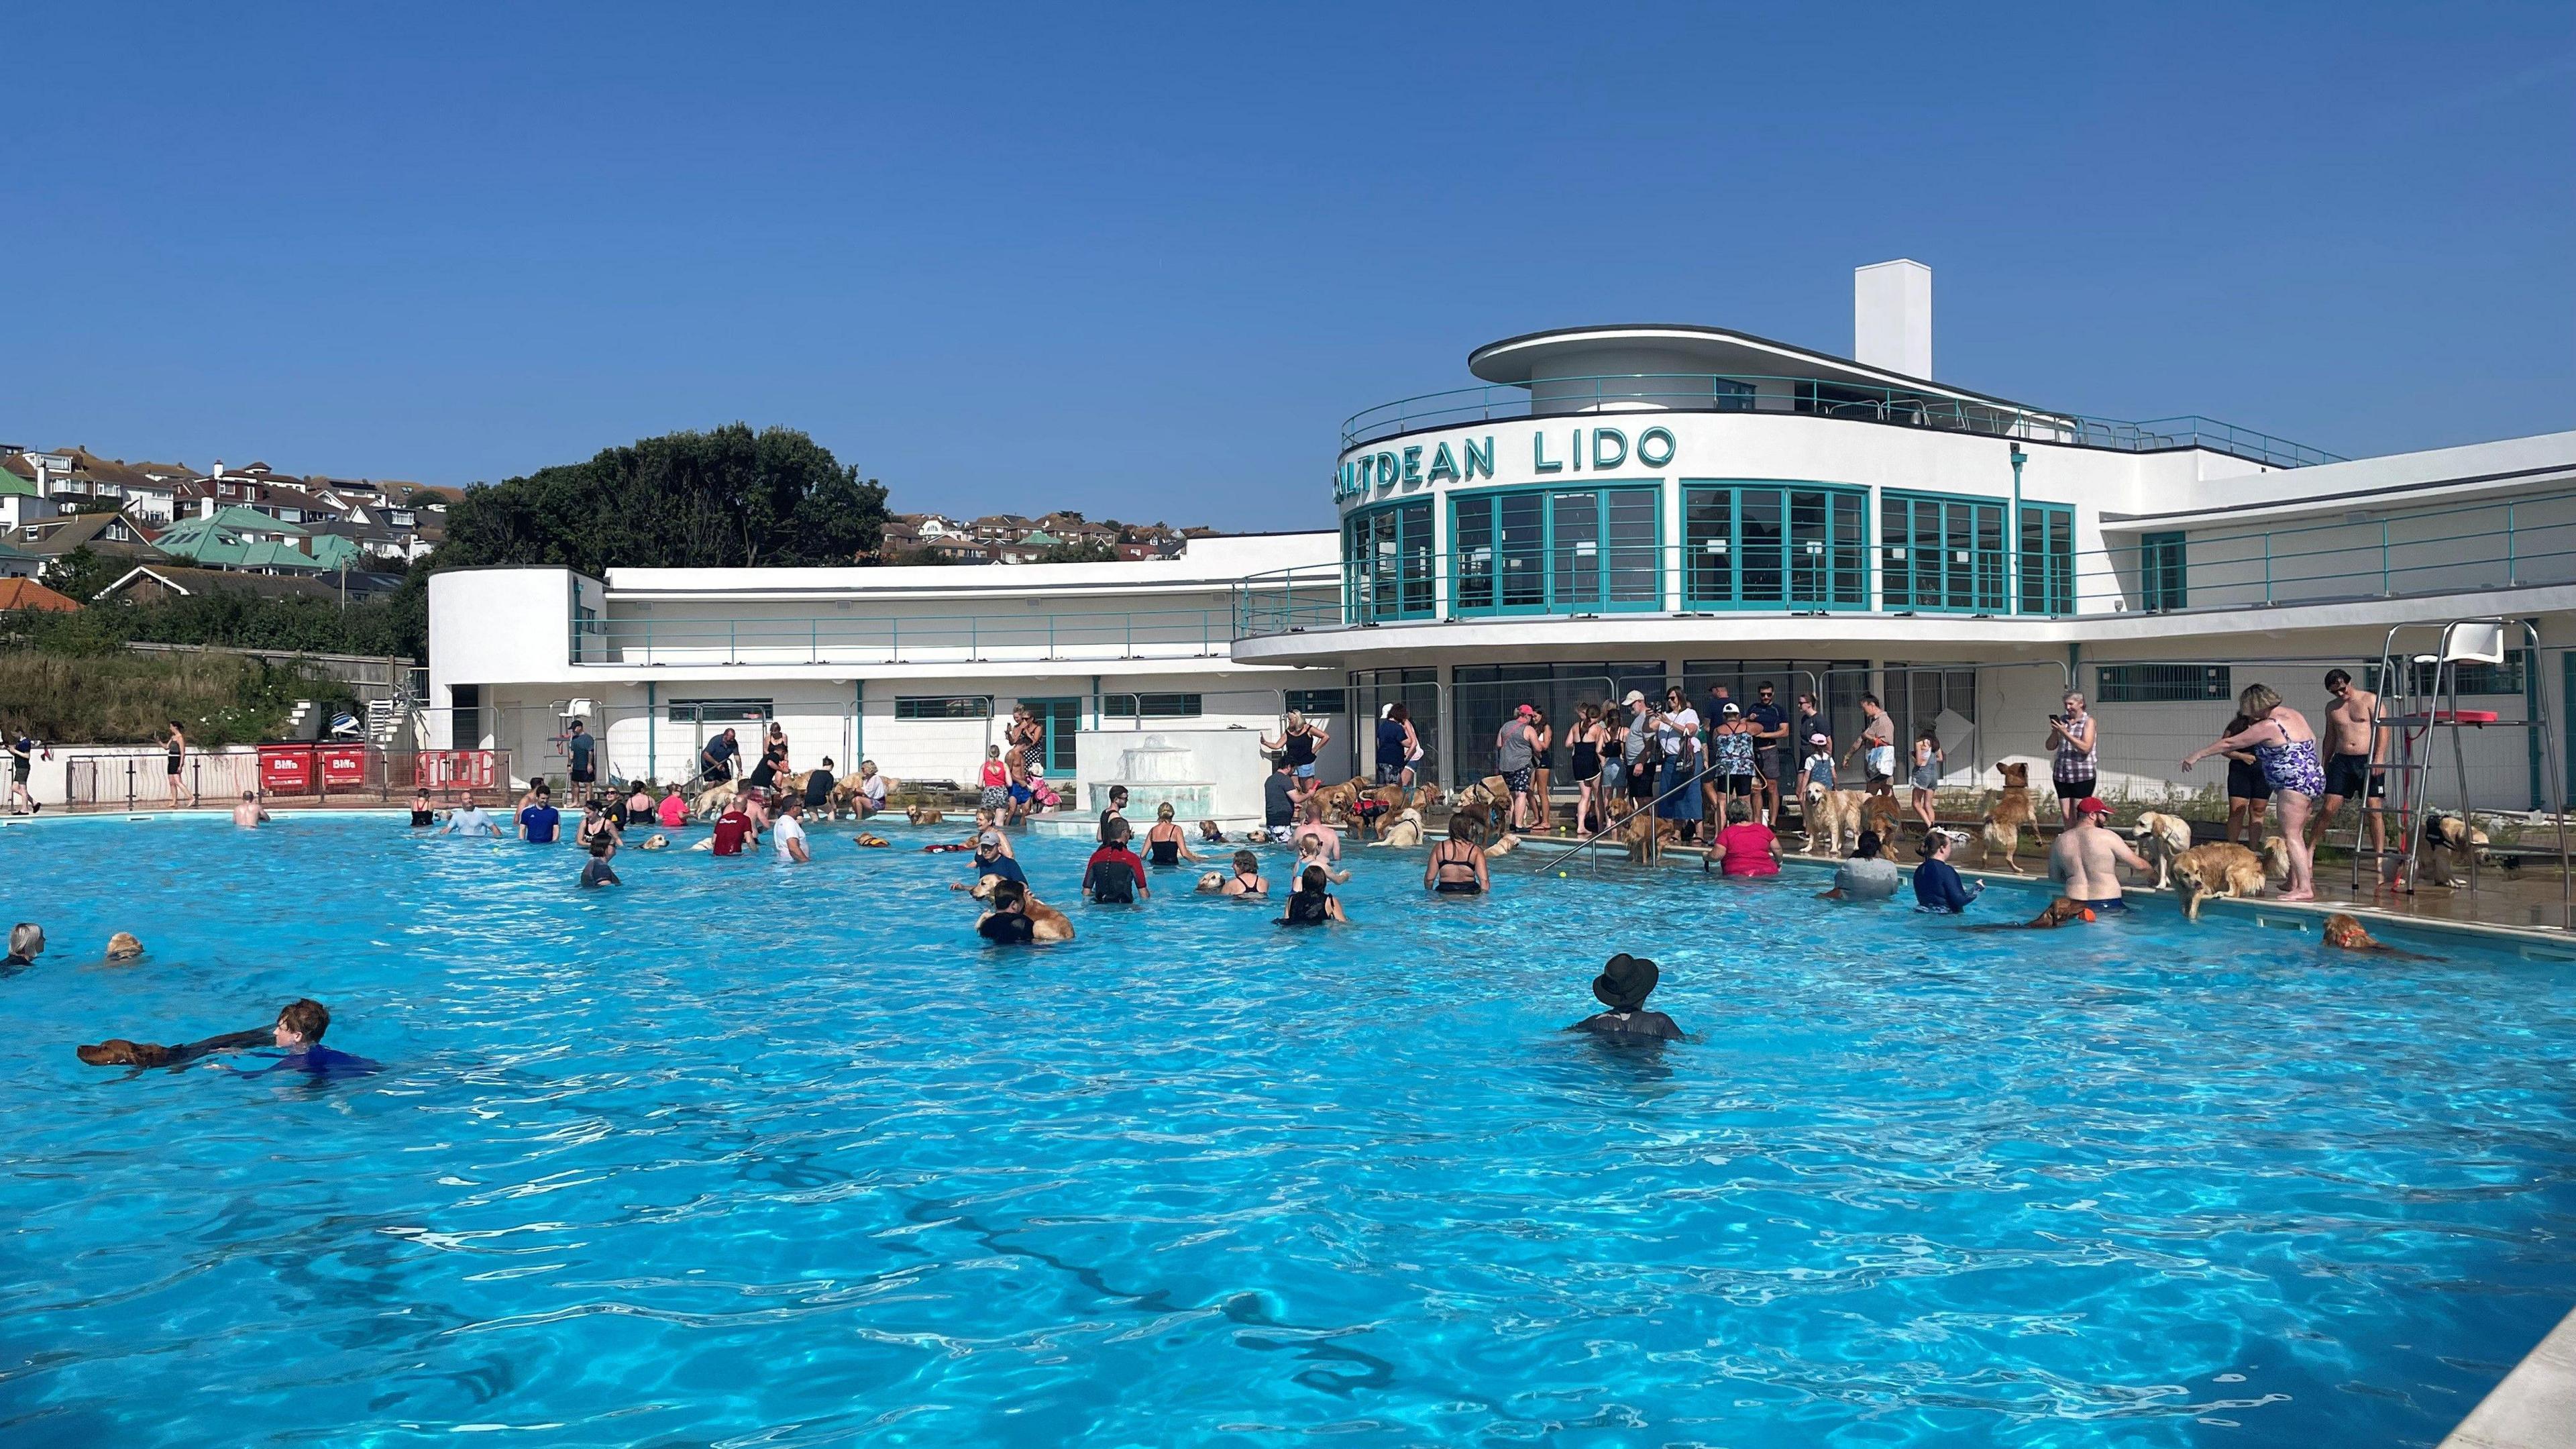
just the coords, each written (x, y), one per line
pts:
(2085, 861)
(988, 859)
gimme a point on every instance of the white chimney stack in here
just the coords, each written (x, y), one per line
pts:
(1892, 317)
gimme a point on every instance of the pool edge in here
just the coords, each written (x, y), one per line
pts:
(2534, 1407)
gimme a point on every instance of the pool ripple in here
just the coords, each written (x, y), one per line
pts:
(754, 1156)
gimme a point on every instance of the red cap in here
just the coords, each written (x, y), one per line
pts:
(2091, 805)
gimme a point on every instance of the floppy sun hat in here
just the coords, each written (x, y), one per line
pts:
(1625, 982)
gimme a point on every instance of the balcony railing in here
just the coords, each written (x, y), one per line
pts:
(1648, 392)
(2501, 543)
(910, 639)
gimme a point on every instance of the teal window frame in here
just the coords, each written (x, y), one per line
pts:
(1776, 546)
(1540, 551)
(1387, 562)
(2047, 558)
(1942, 553)
(2164, 571)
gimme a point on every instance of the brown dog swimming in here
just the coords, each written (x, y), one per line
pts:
(116, 1051)
(2344, 933)
(2063, 911)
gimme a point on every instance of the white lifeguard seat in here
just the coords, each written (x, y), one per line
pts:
(2473, 642)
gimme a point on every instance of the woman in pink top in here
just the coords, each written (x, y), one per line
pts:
(674, 809)
(1751, 849)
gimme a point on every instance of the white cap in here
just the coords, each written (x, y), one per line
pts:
(1634, 698)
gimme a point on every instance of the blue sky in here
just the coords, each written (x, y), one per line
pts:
(1140, 262)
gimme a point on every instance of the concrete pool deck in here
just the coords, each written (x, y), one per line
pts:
(2535, 1406)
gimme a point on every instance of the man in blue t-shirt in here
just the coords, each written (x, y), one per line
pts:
(988, 859)
(537, 822)
(582, 750)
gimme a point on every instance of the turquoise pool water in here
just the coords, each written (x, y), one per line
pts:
(746, 1155)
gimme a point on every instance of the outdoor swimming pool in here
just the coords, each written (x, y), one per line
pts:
(741, 1155)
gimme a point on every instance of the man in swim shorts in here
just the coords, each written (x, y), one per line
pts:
(2356, 760)
(2086, 857)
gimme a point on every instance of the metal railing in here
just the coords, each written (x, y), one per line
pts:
(1647, 392)
(905, 639)
(2495, 543)
(215, 779)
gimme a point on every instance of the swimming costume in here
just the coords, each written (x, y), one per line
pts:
(2245, 781)
(2353, 777)
(2292, 765)
(995, 797)
(1585, 765)
(1306, 908)
(1458, 888)
(1164, 852)
(2112, 907)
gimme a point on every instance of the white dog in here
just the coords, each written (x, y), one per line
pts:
(2160, 838)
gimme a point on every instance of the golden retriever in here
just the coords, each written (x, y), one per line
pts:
(924, 815)
(711, 801)
(1046, 923)
(1837, 812)
(2446, 848)
(1403, 830)
(2216, 869)
(2002, 827)
(2160, 838)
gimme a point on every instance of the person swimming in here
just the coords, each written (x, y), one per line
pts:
(1623, 986)
(298, 1034)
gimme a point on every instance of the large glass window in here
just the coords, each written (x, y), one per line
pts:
(2164, 575)
(1769, 546)
(2047, 559)
(1941, 553)
(1386, 563)
(1573, 550)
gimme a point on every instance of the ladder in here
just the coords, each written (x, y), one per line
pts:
(2419, 705)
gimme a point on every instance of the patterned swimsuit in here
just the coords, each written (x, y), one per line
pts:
(2292, 765)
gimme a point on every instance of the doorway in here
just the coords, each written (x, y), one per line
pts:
(1062, 718)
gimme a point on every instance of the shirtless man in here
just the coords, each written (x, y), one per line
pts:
(2356, 760)
(1326, 838)
(248, 813)
(2085, 860)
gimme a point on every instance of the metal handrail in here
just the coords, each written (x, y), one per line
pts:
(1814, 397)
(1688, 782)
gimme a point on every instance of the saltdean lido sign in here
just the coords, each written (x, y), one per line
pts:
(1422, 465)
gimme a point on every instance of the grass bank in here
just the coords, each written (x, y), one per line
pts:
(120, 698)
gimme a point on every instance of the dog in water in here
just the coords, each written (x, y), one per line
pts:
(2220, 869)
(1046, 923)
(2343, 933)
(1646, 836)
(116, 1051)
(2002, 827)
(869, 841)
(924, 815)
(2160, 838)
(2063, 911)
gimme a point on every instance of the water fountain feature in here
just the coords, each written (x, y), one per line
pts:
(1155, 770)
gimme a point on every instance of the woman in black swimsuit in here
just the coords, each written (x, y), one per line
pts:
(1585, 768)
(178, 748)
(1165, 844)
(422, 816)
(1246, 880)
(1457, 866)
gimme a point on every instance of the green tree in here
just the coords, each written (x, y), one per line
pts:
(81, 573)
(726, 498)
